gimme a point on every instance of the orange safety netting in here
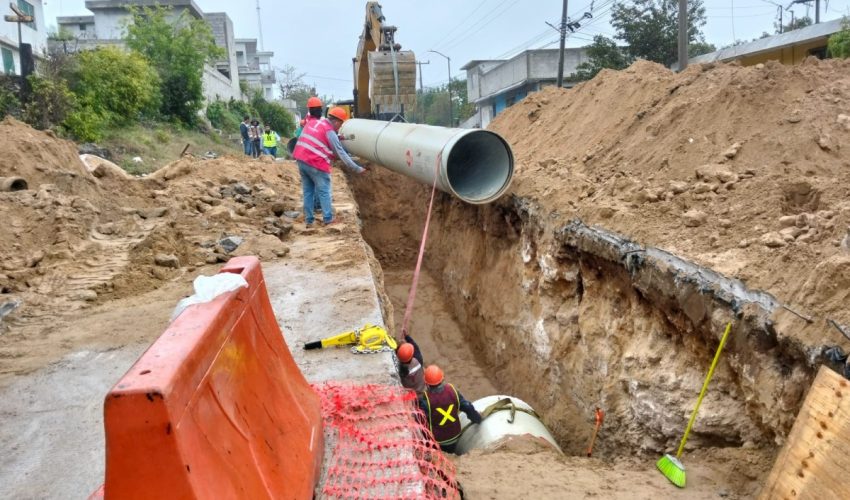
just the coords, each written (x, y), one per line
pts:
(383, 449)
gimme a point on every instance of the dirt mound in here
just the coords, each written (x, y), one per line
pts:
(85, 234)
(743, 169)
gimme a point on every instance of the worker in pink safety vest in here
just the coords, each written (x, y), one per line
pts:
(317, 145)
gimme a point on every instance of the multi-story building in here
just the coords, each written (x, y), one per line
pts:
(34, 33)
(221, 78)
(494, 85)
(255, 67)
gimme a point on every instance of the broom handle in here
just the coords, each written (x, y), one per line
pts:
(704, 388)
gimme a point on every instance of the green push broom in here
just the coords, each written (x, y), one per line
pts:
(669, 465)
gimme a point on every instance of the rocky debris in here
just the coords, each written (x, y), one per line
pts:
(694, 218)
(166, 260)
(704, 187)
(230, 243)
(789, 234)
(292, 214)
(787, 220)
(773, 240)
(794, 117)
(35, 259)
(152, 213)
(845, 242)
(844, 120)
(678, 187)
(825, 142)
(214, 193)
(86, 296)
(241, 188)
(732, 152)
(278, 209)
(90, 148)
(281, 252)
(266, 194)
(725, 223)
(84, 205)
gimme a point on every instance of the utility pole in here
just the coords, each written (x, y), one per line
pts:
(563, 40)
(683, 34)
(260, 26)
(421, 117)
(420, 63)
(817, 11)
(449, 61)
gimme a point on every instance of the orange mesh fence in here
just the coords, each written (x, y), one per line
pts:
(384, 449)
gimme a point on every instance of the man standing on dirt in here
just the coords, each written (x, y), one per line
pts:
(316, 147)
(246, 139)
(270, 140)
(442, 403)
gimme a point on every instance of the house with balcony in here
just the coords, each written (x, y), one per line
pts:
(255, 67)
(34, 33)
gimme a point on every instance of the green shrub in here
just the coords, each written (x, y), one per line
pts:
(275, 115)
(121, 86)
(221, 117)
(9, 102)
(85, 125)
(50, 102)
(839, 43)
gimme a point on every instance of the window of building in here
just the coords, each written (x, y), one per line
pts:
(819, 52)
(8, 61)
(29, 10)
(82, 27)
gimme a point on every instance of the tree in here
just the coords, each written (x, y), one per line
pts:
(650, 27)
(178, 46)
(433, 105)
(700, 48)
(290, 81)
(274, 115)
(120, 85)
(796, 23)
(602, 53)
(839, 43)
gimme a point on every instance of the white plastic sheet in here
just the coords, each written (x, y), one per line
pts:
(208, 288)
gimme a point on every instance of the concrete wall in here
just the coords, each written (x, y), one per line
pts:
(73, 25)
(222, 28)
(35, 35)
(543, 64)
(218, 86)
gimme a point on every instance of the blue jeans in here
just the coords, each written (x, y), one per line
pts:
(271, 151)
(246, 146)
(314, 183)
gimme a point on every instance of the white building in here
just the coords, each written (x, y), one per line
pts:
(106, 26)
(494, 85)
(255, 67)
(34, 33)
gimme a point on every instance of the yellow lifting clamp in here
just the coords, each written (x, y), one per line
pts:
(369, 339)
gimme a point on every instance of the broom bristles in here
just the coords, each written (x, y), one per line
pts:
(672, 469)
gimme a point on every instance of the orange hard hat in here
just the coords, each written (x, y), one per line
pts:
(314, 102)
(338, 113)
(405, 352)
(433, 375)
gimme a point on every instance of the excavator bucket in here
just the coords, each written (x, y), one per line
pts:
(393, 82)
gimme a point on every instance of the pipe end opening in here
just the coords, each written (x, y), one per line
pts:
(480, 167)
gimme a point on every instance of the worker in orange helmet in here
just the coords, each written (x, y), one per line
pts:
(442, 403)
(410, 369)
(314, 152)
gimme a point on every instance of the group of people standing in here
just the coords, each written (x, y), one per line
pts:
(258, 139)
(439, 401)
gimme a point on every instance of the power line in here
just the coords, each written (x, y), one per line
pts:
(496, 14)
(444, 37)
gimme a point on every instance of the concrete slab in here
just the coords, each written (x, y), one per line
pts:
(52, 433)
(326, 287)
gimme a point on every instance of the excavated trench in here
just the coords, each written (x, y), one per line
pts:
(570, 318)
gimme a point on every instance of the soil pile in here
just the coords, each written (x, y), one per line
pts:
(742, 169)
(84, 234)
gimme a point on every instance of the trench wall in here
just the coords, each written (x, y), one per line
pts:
(571, 317)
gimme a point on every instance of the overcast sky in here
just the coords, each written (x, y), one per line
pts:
(319, 37)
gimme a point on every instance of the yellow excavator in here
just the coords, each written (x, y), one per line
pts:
(384, 75)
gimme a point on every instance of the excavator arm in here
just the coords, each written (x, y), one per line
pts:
(384, 75)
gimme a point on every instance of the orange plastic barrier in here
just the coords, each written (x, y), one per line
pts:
(215, 408)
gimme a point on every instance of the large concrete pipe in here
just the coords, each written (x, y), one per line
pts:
(12, 184)
(504, 416)
(476, 165)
